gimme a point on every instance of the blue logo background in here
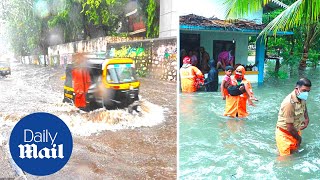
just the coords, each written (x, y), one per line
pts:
(37, 122)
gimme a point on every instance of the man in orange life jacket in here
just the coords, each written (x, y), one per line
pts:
(191, 76)
(292, 118)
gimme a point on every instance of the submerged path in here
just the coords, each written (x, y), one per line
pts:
(215, 146)
(132, 151)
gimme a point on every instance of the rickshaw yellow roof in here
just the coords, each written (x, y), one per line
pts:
(117, 61)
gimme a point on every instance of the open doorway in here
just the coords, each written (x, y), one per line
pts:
(189, 42)
(252, 50)
(222, 47)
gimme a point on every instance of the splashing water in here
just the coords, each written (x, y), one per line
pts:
(100, 120)
(26, 95)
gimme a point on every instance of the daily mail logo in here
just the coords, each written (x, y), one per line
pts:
(31, 151)
(41, 144)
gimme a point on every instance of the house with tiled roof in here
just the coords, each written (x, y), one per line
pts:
(217, 35)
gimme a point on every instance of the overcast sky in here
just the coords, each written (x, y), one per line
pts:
(206, 8)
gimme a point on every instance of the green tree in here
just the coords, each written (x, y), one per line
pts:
(151, 12)
(24, 27)
(106, 14)
(70, 20)
(31, 24)
(303, 13)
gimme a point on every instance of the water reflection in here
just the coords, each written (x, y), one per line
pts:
(235, 125)
(219, 147)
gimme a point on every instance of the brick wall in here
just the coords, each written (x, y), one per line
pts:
(154, 58)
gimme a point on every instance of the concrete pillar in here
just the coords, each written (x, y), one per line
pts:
(168, 26)
(260, 48)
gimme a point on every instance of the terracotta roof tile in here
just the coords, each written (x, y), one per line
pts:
(195, 20)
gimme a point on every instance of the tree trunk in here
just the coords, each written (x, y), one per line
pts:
(266, 48)
(312, 33)
(303, 61)
(277, 67)
(85, 27)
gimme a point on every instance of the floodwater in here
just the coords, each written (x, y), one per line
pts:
(108, 144)
(216, 147)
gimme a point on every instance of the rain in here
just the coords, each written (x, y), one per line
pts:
(108, 143)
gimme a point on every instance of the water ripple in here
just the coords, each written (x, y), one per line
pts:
(216, 147)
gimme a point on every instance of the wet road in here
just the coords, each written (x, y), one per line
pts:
(107, 144)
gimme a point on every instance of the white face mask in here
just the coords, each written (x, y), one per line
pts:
(303, 95)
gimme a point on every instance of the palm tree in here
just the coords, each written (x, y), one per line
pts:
(304, 13)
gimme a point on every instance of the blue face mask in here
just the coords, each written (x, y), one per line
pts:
(303, 95)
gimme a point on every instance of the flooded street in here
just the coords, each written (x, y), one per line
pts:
(107, 144)
(218, 147)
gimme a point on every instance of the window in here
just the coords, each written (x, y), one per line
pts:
(121, 73)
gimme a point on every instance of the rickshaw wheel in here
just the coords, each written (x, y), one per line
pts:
(67, 100)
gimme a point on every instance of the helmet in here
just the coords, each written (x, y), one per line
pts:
(186, 60)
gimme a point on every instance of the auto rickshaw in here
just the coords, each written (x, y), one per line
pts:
(98, 82)
(5, 68)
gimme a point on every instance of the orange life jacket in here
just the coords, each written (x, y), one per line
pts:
(191, 76)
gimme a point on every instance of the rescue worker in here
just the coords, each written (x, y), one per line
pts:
(292, 118)
(211, 82)
(191, 76)
(236, 106)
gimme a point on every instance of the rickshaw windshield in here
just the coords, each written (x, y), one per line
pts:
(4, 64)
(121, 73)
